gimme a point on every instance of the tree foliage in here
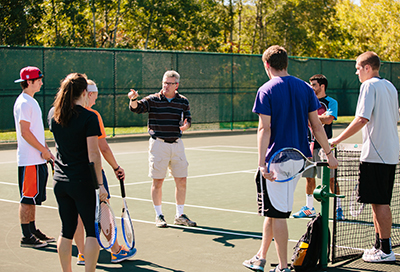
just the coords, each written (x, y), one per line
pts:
(314, 28)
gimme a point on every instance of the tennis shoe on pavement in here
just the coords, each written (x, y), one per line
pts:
(305, 212)
(277, 269)
(32, 242)
(184, 220)
(43, 237)
(122, 255)
(379, 257)
(255, 263)
(81, 259)
(370, 251)
(160, 221)
(340, 215)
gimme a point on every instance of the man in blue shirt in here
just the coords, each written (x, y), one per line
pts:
(284, 105)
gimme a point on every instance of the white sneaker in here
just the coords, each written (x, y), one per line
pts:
(370, 251)
(379, 257)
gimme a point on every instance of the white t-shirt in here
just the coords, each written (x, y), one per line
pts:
(378, 103)
(26, 108)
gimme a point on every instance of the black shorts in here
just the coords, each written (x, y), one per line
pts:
(75, 198)
(265, 207)
(32, 181)
(375, 184)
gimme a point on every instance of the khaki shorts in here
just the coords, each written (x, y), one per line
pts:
(163, 156)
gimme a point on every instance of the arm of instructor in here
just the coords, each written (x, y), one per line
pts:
(320, 136)
(28, 136)
(133, 95)
(94, 156)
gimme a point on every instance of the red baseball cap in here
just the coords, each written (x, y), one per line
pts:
(29, 72)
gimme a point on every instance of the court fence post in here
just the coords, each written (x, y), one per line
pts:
(325, 217)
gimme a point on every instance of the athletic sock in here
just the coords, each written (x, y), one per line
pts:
(377, 241)
(32, 226)
(26, 231)
(158, 210)
(179, 210)
(386, 246)
(309, 201)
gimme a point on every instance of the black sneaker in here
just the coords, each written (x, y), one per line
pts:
(43, 237)
(32, 242)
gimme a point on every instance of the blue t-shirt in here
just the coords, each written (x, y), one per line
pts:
(288, 100)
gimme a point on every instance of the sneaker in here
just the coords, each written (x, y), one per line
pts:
(43, 237)
(32, 242)
(276, 269)
(184, 220)
(160, 221)
(81, 259)
(122, 255)
(379, 257)
(339, 214)
(305, 212)
(255, 263)
(369, 252)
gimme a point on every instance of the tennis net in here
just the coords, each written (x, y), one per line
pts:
(356, 233)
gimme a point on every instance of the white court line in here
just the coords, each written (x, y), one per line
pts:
(201, 148)
(227, 151)
(251, 171)
(174, 226)
(164, 202)
(14, 162)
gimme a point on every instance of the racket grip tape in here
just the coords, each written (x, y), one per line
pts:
(121, 184)
(93, 174)
(322, 164)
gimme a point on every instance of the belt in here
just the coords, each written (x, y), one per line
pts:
(166, 141)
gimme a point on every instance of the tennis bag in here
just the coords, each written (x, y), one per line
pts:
(307, 251)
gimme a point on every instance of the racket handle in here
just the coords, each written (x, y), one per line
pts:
(322, 164)
(93, 174)
(121, 184)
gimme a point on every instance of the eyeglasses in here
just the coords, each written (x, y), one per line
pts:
(169, 83)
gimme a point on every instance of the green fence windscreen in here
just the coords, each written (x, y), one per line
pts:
(220, 87)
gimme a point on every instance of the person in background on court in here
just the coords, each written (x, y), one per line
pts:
(32, 155)
(326, 114)
(76, 131)
(275, 131)
(377, 116)
(119, 252)
(169, 117)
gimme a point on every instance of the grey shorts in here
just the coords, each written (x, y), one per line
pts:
(316, 171)
(163, 156)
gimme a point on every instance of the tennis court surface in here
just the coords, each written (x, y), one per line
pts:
(220, 198)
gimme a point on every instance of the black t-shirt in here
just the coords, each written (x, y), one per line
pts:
(72, 159)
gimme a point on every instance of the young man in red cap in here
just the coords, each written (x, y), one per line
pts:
(32, 155)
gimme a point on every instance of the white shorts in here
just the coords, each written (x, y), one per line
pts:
(163, 156)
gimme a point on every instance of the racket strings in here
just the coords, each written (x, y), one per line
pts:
(107, 225)
(287, 164)
(127, 229)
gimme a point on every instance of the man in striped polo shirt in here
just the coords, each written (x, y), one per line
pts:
(169, 116)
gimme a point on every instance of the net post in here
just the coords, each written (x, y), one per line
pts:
(325, 217)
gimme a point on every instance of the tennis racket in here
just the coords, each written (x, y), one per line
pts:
(105, 225)
(355, 207)
(287, 163)
(51, 163)
(311, 139)
(322, 109)
(126, 222)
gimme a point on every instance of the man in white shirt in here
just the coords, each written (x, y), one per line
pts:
(32, 155)
(377, 115)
